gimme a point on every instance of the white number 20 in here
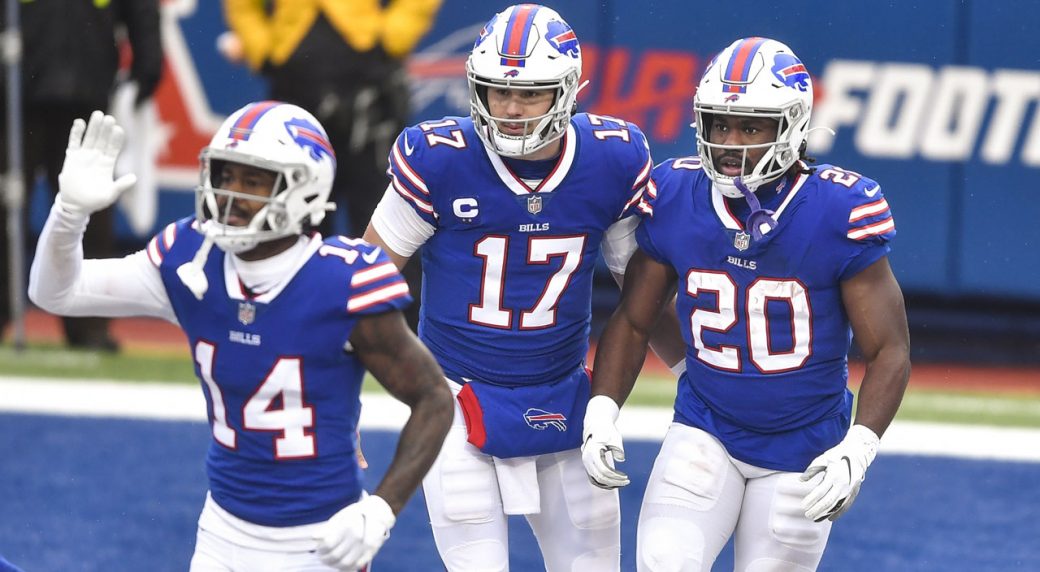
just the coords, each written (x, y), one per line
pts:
(285, 380)
(757, 296)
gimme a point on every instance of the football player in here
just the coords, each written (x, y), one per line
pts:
(778, 264)
(281, 324)
(512, 206)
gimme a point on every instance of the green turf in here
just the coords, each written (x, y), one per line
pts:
(1013, 410)
(55, 361)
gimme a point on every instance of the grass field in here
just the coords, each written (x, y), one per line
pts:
(1010, 409)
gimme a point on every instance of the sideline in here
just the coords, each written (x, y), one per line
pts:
(166, 402)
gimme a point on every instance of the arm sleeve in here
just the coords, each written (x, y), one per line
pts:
(61, 282)
(400, 227)
(142, 26)
(619, 244)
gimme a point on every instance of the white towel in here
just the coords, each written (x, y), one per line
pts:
(518, 484)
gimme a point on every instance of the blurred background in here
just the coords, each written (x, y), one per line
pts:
(936, 100)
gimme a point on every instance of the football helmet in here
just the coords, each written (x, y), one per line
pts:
(526, 46)
(755, 77)
(283, 139)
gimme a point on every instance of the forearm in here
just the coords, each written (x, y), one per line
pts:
(666, 339)
(881, 391)
(620, 354)
(432, 410)
(62, 283)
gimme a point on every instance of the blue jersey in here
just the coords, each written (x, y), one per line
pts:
(508, 272)
(281, 391)
(766, 331)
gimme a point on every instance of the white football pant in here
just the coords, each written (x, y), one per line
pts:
(578, 526)
(698, 496)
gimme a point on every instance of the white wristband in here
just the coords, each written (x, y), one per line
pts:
(602, 406)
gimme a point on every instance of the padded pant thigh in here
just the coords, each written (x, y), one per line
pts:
(465, 508)
(691, 504)
(461, 486)
(774, 533)
(579, 527)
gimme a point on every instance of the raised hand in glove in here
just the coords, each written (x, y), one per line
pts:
(601, 444)
(86, 182)
(837, 474)
(350, 539)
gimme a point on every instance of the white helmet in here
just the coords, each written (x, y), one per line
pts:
(280, 138)
(527, 46)
(755, 77)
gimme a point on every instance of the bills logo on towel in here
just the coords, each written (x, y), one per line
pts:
(540, 420)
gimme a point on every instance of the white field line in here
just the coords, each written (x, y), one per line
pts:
(186, 403)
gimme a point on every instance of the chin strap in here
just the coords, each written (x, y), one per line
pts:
(192, 274)
(759, 216)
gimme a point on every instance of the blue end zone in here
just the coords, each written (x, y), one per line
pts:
(117, 494)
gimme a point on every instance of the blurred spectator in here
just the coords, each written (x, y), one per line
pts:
(69, 64)
(343, 61)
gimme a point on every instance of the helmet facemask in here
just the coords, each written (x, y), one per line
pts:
(780, 153)
(214, 205)
(758, 78)
(539, 131)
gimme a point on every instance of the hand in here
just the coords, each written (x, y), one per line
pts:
(838, 473)
(85, 182)
(601, 445)
(349, 540)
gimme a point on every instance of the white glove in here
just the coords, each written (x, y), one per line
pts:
(350, 539)
(837, 474)
(85, 182)
(601, 444)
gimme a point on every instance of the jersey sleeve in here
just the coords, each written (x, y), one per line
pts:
(410, 172)
(375, 284)
(869, 227)
(648, 201)
(160, 244)
(641, 166)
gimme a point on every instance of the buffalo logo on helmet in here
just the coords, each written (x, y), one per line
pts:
(562, 37)
(511, 73)
(541, 420)
(790, 70)
(486, 31)
(308, 136)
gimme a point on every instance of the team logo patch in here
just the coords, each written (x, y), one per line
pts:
(308, 136)
(732, 98)
(790, 70)
(742, 240)
(541, 420)
(511, 73)
(486, 31)
(562, 37)
(534, 204)
(246, 313)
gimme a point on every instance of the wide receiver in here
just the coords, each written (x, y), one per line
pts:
(281, 325)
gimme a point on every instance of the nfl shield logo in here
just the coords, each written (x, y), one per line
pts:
(534, 204)
(246, 313)
(742, 241)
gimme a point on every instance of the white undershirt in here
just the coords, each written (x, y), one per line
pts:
(263, 275)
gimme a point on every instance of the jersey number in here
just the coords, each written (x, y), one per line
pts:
(757, 297)
(492, 249)
(292, 420)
